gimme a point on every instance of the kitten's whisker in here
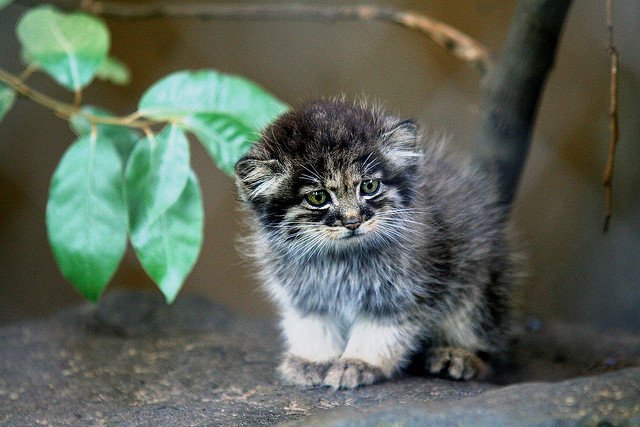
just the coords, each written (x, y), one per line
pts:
(400, 220)
(397, 219)
(368, 165)
(308, 237)
(312, 171)
(310, 178)
(311, 250)
(411, 210)
(397, 232)
(367, 159)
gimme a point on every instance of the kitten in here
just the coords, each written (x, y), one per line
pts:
(377, 249)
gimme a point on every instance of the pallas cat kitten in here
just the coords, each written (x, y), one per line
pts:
(378, 249)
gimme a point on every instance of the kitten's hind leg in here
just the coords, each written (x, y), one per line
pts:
(313, 343)
(456, 363)
(454, 351)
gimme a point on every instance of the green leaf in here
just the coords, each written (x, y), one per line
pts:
(186, 93)
(87, 216)
(155, 176)
(169, 246)
(225, 138)
(69, 47)
(5, 3)
(7, 98)
(114, 71)
(122, 137)
(28, 60)
(225, 112)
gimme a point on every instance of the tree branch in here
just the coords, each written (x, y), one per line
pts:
(512, 89)
(451, 39)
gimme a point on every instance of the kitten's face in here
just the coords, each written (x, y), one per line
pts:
(332, 176)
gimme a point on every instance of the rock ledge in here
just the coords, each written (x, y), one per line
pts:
(133, 360)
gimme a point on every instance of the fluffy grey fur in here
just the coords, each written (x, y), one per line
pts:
(419, 269)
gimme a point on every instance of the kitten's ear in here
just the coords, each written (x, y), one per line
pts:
(400, 142)
(257, 177)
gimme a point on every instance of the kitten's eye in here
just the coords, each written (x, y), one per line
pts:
(370, 186)
(318, 198)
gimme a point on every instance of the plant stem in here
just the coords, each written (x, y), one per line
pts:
(65, 110)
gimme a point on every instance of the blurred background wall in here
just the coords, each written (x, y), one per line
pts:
(576, 271)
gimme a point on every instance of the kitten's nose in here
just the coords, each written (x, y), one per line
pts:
(351, 223)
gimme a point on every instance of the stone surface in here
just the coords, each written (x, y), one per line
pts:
(133, 360)
(606, 400)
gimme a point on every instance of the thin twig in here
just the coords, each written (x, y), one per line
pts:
(28, 72)
(77, 98)
(131, 117)
(148, 132)
(613, 122)
(64, 110)
(451, 39)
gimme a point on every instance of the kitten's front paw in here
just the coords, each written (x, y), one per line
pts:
(351, 373)
(456, 363)
(299, 371)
